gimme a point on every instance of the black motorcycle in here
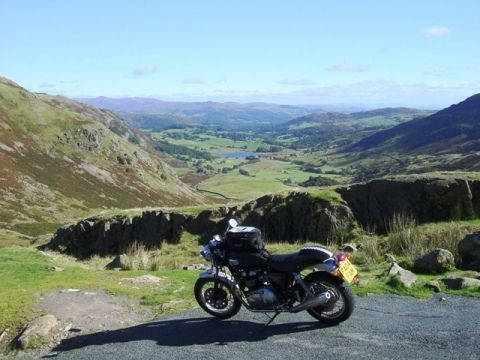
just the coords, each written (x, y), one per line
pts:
(273, 283)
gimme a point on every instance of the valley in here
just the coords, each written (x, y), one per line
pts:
(99, 200)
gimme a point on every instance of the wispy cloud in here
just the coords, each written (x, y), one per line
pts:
(148, 69)
(436, 31)
(45, 85)
(193, 81)
(347, 67)
(296, 81)
(220, 81)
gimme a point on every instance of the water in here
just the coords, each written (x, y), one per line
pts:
(237, 154)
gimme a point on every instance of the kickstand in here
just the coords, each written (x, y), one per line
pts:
(271, 318)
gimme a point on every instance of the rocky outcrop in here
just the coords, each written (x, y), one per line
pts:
(375, 203)
(296, 217)
(406, 277)
(291, 218)
(436, 261)
(460, 282)
(469, 250)
(38, 332)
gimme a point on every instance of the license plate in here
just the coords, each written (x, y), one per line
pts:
(348, 271)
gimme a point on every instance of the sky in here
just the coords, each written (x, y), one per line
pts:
(370, 53)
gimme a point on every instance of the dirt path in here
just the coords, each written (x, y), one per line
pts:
(83, 312)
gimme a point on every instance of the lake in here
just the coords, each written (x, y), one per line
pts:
(237, 154)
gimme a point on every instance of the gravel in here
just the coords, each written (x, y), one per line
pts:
(381, 327)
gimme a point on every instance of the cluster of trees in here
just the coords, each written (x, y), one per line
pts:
(181, 151)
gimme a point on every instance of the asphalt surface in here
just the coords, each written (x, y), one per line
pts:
(382, 327)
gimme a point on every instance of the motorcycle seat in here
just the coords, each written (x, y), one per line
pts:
(298, 261)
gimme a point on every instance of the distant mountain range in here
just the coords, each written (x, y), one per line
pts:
(149, 113)
(455, 129)
(60, 159)
(328, 128)
(378, 118)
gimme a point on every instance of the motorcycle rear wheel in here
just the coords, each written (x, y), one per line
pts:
(221, 303)
(342, 304)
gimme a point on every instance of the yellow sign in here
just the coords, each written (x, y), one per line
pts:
(348, 271)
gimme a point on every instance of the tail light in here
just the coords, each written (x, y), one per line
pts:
(341, 256)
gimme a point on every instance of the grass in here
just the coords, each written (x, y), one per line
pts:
(409, 240)
(13, 238)
(25, 273)
(266, 177)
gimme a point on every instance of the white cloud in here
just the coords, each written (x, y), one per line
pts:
(193, 81)
(436, 31)
(220, 81)
(148, 69)
(346, 67)
(296, 81)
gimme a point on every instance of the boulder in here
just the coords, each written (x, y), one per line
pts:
(3, 334)
(38, 331)
(390, 258)
(460, 282)
(350, 247)
(406, 277)
(434, 285)
(469, 250)
(436, 261)
(119, 262)
(55, 268)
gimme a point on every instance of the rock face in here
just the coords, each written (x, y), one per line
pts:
(434, 285)
(436, 261)
(39, 330)
(469, 250)
(406, 277)
(460, 282)
(375, 203)
(295, 217)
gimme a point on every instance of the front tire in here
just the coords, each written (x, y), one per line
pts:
(342, 304)
(222, 304)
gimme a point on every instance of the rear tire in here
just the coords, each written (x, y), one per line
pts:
(222, 305)
(327, 314)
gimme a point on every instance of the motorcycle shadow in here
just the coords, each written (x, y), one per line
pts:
(191, 331)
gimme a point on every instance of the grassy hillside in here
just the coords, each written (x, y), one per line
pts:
(455, 129)
(60, 160)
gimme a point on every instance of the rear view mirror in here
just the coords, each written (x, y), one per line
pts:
(233, 223)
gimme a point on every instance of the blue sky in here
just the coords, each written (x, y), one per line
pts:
(415, 53)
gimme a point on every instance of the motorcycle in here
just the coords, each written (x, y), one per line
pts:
(244, 273)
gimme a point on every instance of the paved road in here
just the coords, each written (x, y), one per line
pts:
(382, 327)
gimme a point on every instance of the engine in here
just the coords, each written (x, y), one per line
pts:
(261, 295)
(263, 298)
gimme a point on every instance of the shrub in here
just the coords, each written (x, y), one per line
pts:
(402, 235)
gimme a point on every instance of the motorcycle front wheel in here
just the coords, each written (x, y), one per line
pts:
(342, 303)
(219, 302)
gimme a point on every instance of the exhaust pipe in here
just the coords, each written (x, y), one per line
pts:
(313, 302)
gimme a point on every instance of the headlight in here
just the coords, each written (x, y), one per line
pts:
(206, 253)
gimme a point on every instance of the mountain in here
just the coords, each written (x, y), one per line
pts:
(60, 159)
(379, 118)
(229, 114)
(455, 129)
(322, 129)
